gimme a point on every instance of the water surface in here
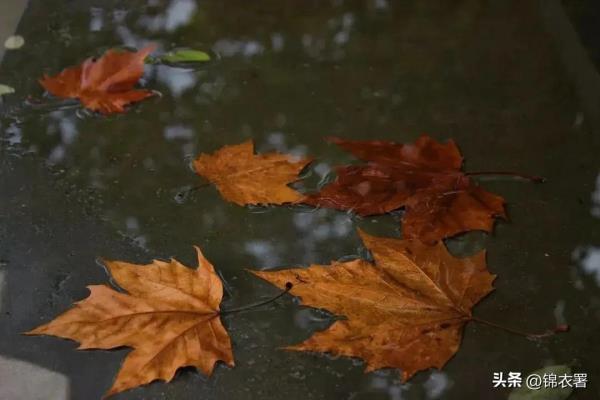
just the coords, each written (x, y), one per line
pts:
(76, 186)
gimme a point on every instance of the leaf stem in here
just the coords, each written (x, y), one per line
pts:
(558, 329)
(288, 287)
(532, 178)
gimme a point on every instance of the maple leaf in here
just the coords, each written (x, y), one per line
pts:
(425, 177)
(244, 178)
(170, 317)
(406, 310)
(105, 85)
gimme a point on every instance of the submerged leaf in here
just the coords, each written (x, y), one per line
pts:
(425, 178)
(105, 85)
(406, 310)
(169, 316)
(245, 178)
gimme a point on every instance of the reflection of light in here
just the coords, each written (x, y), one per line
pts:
(436, 385)
(381, 4)
(347, 21)
(178, 80)
(132, 224)
(14, 134)
(68, 130)
(178, 132)
(277, 140)
(589, 260)
(57, 154)
(341, 37)
(322, 169)
(67, 127)
(264, 251)
(231, 47)
(277, 41)
(596, 199)
(179, 13)
(97, 19)
(23, 380)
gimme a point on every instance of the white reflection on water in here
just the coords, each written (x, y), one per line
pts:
(381, 4)
(277, 141)
(436, 385)
(173, 132)
(13, 134)
(264, 251)
(179, 13)
(66, 126)
(24, 380)
(96, 19)
(277, 42)
(588, 258)
(133, 232)
(233, 47)
(178, 80)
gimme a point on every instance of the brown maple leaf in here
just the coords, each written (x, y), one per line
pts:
(406, 310)
(245, 178)
(105, 85)
(425, 177)
(170, 317)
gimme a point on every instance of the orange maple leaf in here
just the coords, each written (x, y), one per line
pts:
(245, 178)
(425, 178)
(105, 85)
(406, 310)
(170, 317)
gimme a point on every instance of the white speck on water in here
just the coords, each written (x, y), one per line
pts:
(436, 385)
(588, 258)
(14, 42)
(5, 89)
(178, 132)
(277, 41)
(96, 19)
(180, 13)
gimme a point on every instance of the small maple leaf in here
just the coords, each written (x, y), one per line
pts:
(105, 85)
(170, 317)
(245, 178)
(424, 177)
(406, 310)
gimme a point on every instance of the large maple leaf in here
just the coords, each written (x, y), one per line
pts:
(245, 178)
(170, 317)
(425, 177)
(406, 310)
(105, 85)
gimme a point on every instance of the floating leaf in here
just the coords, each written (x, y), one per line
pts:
(185, 56)
(105, 85)
(170, 317)
(406, 310)
(245, 178)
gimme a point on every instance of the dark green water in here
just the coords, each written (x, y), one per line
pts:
(76, 186)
